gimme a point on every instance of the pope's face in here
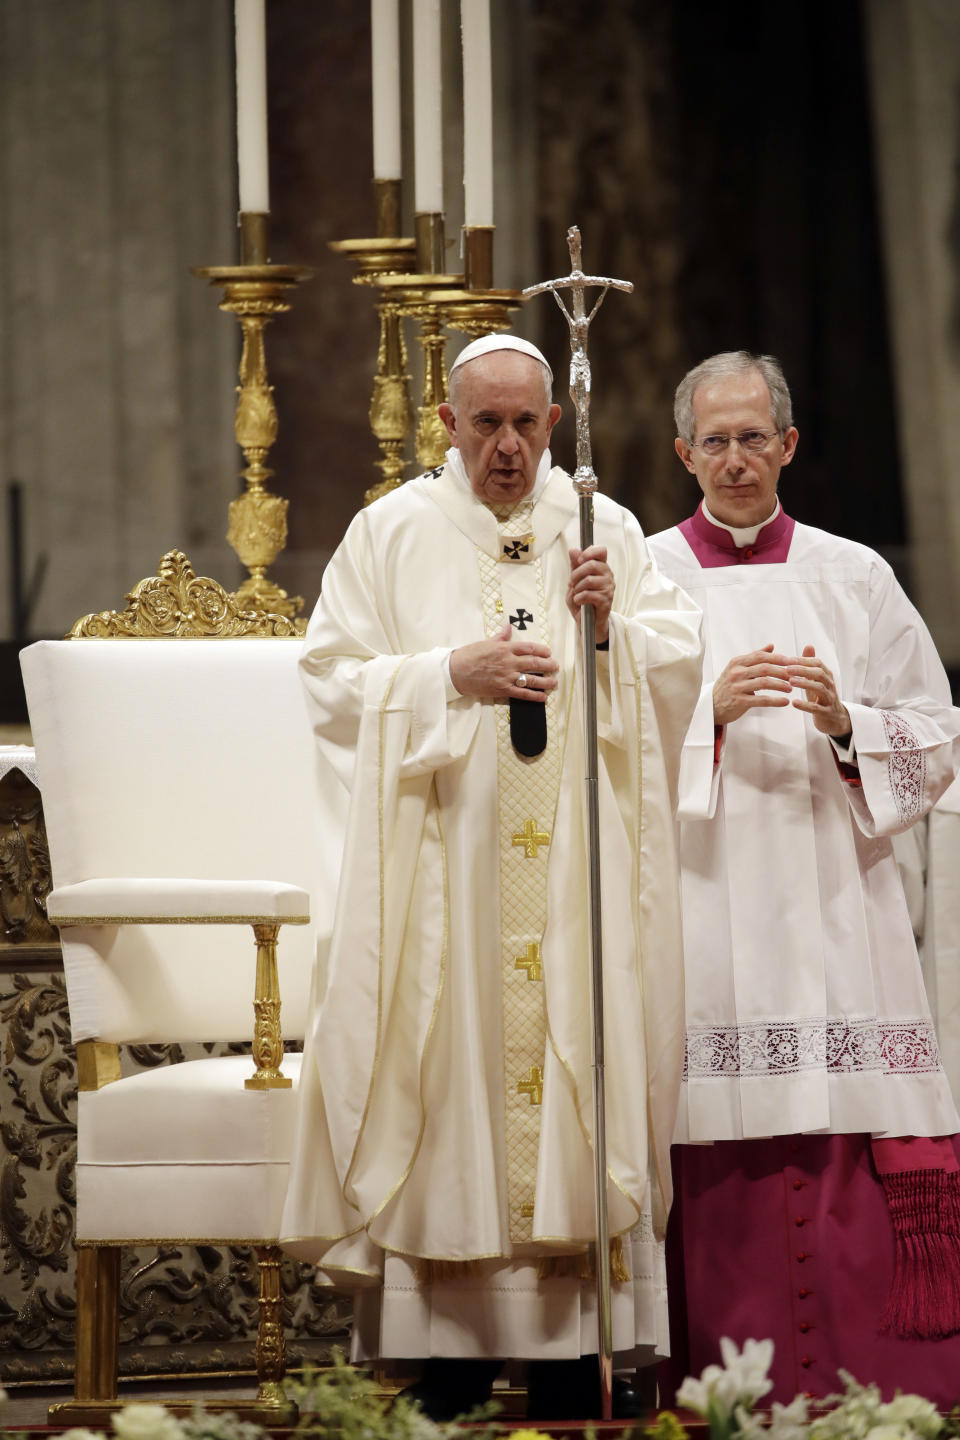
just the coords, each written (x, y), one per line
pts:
(501, 424)
(739, 486)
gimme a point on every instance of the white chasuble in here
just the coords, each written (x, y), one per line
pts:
(805, 1004)
(444, 1150)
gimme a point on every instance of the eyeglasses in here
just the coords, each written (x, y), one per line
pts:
(752, 440)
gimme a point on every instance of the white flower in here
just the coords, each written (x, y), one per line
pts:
(749, 1426)
(200, 1424)
(714, 1394)
(79, 1433)
(725, 1391)
(146, 1422)
(734, 1389)
(692, 1395)
(913, 1411)
(748, 1368)
(856, 1412)
(789, 1422)
(890, 1432)
(714, 1390)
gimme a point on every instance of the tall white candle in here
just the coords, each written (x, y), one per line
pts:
(385, 52)
(252, 105)
(427, 108)
(477, 113)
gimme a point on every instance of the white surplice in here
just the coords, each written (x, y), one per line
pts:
(929, 861)
(401, 1147)
(805, 1002)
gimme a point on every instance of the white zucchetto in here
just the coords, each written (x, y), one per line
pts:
(487, 343)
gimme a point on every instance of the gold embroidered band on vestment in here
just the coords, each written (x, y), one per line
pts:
(528, 789)
(577, 1265)
(582, 1265)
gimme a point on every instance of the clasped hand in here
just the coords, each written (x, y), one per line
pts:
(747, 681)
(504, 668)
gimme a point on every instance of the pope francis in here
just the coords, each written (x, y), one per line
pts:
(443, 1169)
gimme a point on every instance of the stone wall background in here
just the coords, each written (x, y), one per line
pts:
(914, 66)
(116, 407)
(781, 177)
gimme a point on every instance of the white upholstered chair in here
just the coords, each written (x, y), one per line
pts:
(180, 801)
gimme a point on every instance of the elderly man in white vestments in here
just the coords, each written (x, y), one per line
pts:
(825, 1213)
(444, 1169)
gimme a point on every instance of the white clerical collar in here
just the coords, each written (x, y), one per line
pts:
(742, 535)
(457, 467)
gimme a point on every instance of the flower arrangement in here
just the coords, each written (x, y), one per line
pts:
(726, 1395)
(347, 1402)
(339, 1400)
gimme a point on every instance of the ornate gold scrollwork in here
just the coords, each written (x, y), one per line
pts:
(24, 865)
(176, 603)
(37, 1148)
(258, 532)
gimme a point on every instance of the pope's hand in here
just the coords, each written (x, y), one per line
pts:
(740, 685)
(591, 583)
(830, 715)
(504, 668)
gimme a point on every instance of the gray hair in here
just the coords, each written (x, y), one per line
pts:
(456, 375)
(721, 367)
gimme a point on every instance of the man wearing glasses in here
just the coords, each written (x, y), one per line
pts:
(824, 1214)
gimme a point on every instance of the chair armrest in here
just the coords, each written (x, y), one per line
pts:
(131, 901)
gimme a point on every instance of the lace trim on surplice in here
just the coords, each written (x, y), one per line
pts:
(907, 766)
(788, 1047)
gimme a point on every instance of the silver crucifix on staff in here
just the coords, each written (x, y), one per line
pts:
(585, 483)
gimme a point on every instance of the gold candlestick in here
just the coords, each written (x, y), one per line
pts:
(413, 285)
(255, 292)
(421, 297)
(390, 409)
(430, 443)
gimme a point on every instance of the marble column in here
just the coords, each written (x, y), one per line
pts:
(914, 51)
(116, 402)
